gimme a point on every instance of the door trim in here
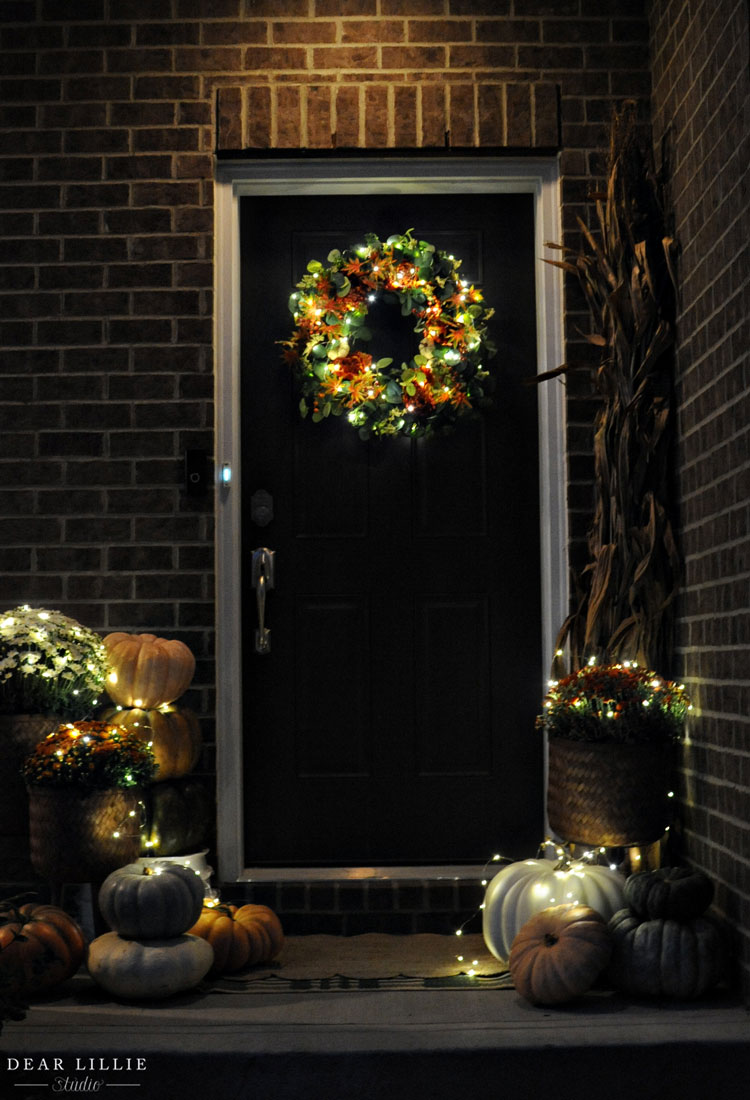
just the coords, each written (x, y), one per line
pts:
(236, 178)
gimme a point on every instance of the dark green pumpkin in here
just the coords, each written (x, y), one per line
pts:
(672, 893)
(665, 958)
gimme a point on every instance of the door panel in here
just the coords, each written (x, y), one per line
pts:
(393, 720)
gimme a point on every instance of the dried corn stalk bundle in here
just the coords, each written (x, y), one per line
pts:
(626, 591)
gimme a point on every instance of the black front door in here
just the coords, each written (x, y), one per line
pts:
(392, 721)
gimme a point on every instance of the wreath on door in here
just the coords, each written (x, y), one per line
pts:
(448, 378)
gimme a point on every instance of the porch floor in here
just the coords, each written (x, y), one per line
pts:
(413, 1045)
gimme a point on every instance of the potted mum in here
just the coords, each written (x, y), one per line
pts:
(611, 730)
(84, 782)
(51, 669)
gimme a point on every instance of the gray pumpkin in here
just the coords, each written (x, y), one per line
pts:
(665, 958)
(140, 903)
(675, 893)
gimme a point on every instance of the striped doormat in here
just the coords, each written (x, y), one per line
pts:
(373, 961)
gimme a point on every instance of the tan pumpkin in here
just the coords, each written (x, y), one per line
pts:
(146, 671)
(174, 733)
(559, 954)
(240, 937)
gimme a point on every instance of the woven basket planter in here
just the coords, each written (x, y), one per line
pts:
(608, 795)
(71, 832)
(19, 736)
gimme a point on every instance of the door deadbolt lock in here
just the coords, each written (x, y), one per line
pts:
(261, 507)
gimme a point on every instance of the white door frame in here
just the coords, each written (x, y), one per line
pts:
(296, 176)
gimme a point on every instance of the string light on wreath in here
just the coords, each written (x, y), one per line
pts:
(328, 349)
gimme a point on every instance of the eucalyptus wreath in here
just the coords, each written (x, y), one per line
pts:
(446, 380)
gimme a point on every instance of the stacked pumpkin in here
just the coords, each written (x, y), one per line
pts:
(647, 934)
(147, 674)
(149, 953)
(663, 944)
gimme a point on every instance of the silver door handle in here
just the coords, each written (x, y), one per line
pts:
(263, 571)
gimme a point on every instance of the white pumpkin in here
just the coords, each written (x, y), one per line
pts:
(524, 888)
(148, 969)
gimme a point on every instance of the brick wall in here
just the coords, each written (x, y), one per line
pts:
(107, 123)
(701, 104)
(107, 119)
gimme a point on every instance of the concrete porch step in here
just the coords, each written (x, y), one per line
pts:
(416, 1045)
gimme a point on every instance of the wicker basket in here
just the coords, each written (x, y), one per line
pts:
(608, 795)
(72, 832)
(19, 736)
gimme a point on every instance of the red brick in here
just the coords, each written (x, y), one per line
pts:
(373, 30)
(482, 57)
(345, 57)
(412, 7)
(38, 197)
(434, 119)
(413, 57)
(405, 116)
(26, 89)
(97, 88)
(439, 30)
(305, 31)
(347, 116)
(319, 122)
(142, 166)
(234, 33)
(166, 138)
(274, 57)
(140, 331)
(518, 114)
(229, 118)
(546, 115)
(508, 30)
(277, 8)
(345, 7)
(208, 59)
(32, 36)
(69, 168)
(491, 115)
(73, 61)
(194, 166)
(33, 251)
(88, 304)
(184, 86)
(110, 140)
(165, 194)
(72, 276)
(288, 117)
(376, 116)
(81, 35)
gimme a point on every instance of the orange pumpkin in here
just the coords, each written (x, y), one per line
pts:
(174, 733)
(40, 946)
(559, 954)
(146, 671)
(240, 937)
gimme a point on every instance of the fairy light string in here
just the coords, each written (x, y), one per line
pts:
(445, 380)
(607, 694)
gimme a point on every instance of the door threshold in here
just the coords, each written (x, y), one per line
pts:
(417, 873)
